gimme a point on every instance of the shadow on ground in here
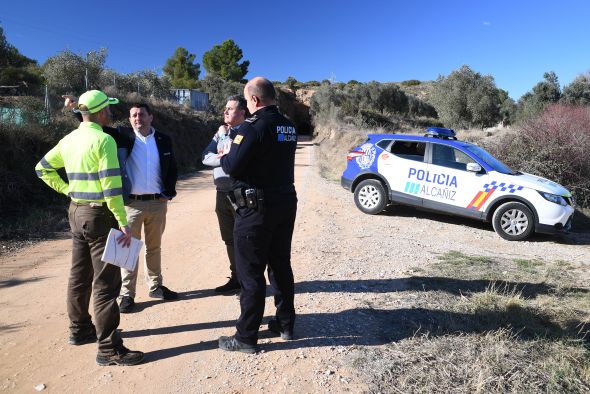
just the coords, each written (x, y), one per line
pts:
(578, 236)
(371, 327)
(187, 295)
(12, 282)
(424, 283)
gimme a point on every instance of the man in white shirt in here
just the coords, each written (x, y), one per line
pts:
(150, 179)
(234, 115)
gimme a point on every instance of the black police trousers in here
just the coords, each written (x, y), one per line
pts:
(261, 240)
(226, 218)
(90, 275)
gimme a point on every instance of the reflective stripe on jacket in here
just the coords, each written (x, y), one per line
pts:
(89, 157)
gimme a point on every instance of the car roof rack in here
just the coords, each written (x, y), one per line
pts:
(440, 132)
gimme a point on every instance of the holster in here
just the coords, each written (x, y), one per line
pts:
(249, 197)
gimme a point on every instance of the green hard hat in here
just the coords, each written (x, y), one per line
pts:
(94, 100)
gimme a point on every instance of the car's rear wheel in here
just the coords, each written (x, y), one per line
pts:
(370, 196)
(513, 221)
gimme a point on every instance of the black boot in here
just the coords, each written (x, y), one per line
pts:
(231, 286)
(275, 326)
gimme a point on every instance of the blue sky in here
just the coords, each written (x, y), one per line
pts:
(387, 41)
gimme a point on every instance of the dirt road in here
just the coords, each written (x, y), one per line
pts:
(345, 262)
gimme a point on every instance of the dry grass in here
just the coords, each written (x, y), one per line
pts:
(35, 224)
(335, 141)
(492, 326)
(493, 362)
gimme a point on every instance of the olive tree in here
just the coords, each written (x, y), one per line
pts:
(577, 92)
(543, 93)
(466, 98)
(68, 72)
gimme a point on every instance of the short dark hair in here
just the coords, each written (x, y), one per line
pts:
(242, 105)
(142, 105)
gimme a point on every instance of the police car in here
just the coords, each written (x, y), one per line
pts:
(440, 173)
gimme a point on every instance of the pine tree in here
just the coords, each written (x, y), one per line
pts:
(181, 69)
(222, 61)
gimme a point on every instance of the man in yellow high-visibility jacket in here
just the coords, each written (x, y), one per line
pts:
(89, 157)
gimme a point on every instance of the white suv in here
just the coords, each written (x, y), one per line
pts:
(439, 173)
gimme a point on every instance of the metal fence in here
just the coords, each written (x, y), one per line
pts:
(199, 101)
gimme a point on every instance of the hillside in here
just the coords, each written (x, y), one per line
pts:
(26, 203)
(422, 90)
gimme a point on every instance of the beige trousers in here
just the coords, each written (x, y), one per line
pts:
(152, 216)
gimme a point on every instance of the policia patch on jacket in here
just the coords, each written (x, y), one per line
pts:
(286, 134)
(238, 139)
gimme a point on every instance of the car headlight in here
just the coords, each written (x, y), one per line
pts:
(554, 198)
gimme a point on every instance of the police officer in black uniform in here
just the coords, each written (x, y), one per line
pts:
(262, 162)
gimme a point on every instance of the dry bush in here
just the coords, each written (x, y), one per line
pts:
(21, 147)
(554, 145)
(336, 138)
(335, 141)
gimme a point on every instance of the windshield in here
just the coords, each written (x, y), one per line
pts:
(490, 160)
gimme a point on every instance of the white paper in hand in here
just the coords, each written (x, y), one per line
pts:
(118, 255)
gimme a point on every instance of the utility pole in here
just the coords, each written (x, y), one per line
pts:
(86, 74)
(86, 81)
(46, 102)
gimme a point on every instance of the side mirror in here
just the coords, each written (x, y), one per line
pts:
(473, 167)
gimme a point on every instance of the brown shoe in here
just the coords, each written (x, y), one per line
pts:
(121, 356)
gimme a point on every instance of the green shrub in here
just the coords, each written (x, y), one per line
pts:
(363, 102)
(219, 90)
(411, 82)
(374, 119)
(311, 83)
(21, 147)
(534, 102)
(577, 92)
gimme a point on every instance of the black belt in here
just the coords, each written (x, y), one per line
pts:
(93, 204)
(145, 197)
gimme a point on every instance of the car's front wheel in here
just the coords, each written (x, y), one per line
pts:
(513, 221)
(370, 196)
